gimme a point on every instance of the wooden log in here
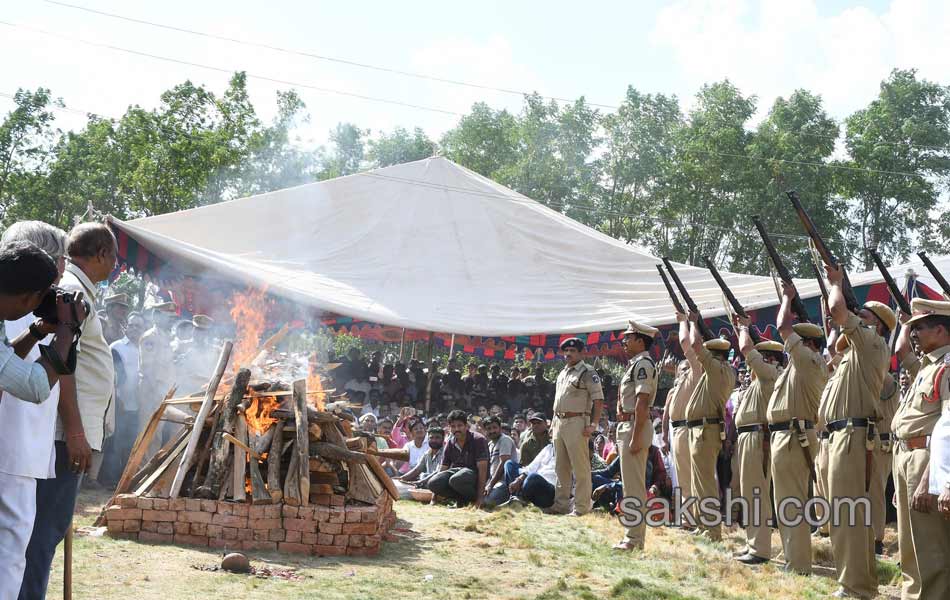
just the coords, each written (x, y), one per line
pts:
(146, 485)
(318, 465)
(332, 451)
(360, 444)
(238, 491)
(303, 440)
(391, 453)
(220, 449)
(319, 477)
(241, 445)
(273, 462)
(382, 476)
(292, 481)
(158, 458)
(189, 452)
(259, 493)
(315, 431)
(228, 482)
(313, 415)
(362, 484)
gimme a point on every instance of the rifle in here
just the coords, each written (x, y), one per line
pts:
(669, 289)
(731, 298)
(703, 329)
(826, 256)
(895, 291)
(798, 307)
(824, 297)
(936, 274)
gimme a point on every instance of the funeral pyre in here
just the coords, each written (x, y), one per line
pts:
(268, 462)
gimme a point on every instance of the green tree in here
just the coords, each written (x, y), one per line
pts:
(26, 138)
(399, 147)
(485, 140)
(347, 151)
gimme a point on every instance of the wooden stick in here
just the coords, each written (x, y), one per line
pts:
(273, 463)
(217, 463)
(328, 450)
(382, 476)
(259, 493)
(200, 419)
(238, 491)
(158, 458)
(303, 440)
(157, 473)
(292, 482)
(243, 446)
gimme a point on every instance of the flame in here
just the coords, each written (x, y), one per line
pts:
(249, 312)
(315, 393)
(258, 413)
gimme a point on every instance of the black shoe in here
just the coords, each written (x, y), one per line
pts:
(752, 559)
(879, 548)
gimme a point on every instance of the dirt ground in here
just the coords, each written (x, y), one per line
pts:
(455, 553)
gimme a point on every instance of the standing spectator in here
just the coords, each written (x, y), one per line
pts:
(533, 441)
(117, 315)
(125, 356)
(156, 368)
(29, 404)
(464, 469)
(501, 449)
(91, 249)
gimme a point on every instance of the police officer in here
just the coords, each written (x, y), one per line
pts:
(635, 429)
(705, 413)
(847, 408)
(765, 363)
(882, 458)
(923, 534)
(791, 414)
(117, 317)
(577, 405)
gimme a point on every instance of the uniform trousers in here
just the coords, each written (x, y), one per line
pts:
(821, 483)
(571, 458)
(924, 538)
(704, 446)
(881, 465)
(851, 534)
(633, 474)
(680, 443)
(754, 478)
(17, 510)
(790, 475)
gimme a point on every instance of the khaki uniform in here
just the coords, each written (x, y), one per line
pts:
(924, 538)
(796, 395)
(854, 391)
(882, 458)
(679, 435)
(640, 378)
(752, 451)
(708, 401)
(577, 389)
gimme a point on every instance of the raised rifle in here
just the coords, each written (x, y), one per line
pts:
(669, 289)
(731, 298)
(895, 291)
(798, 307)
(703, 329)
(824, 297)
(826, 256)
(935, 273)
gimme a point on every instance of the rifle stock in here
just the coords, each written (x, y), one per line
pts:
(823, 250)
(731, 298)
(895, 291)
(798, 307)
(703, 329)
(935, 273)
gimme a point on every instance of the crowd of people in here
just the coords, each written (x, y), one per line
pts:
(820, 415)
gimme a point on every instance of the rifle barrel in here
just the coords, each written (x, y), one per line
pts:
(895, 291)
(669, 289)
(798, 307)
(935, 273)
(703, 328)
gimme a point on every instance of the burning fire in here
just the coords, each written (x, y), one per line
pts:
(315, 393)
(258, 413)
(249, 312)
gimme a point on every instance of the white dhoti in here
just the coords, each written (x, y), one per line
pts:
(17, 511)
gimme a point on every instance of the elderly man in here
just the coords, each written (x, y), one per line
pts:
(91, 249)
(117, 315)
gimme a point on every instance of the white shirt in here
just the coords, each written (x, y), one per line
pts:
(27, 430)
(415, 453)
(543, 465)
(940, 454)
(26, 379)
(95, 372)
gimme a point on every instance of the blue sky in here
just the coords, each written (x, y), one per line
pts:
(838, 49)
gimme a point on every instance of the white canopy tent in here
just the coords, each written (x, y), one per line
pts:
(432, 246)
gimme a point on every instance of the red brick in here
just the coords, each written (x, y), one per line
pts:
(372, 540)
(266, 546)
(295, 548)
(199, 529)
(193, 504)
(131, 526)
(229, 533)
(191, 540)
(229, 521)
(321, 514)
(150, 526)
(337, 515)
(288, 511)
(225, 508)
(155, 538)
(209, 506)
(191, 516)
(160, 504)
(370, 515)
(177, 503)
(123, 514)
(350, 515)
(145, 503)
(165, 527)
(337, 500)
(261, 535)
(341, 540)
(215, 531)
(324, 539)
(329, 551)
(115, 526)
(256, 511)
(272, 511)
(292, 536)
(357, 541)
(127, 500)
(159, 515)
(360, 528)
(331, 528)
(182, 527)
(357, 551)
(264, 523)
(308, 538)
(240, 509)
(276, 535)
(321, 499)
(300, 525)
(305, 512)
(245, 535)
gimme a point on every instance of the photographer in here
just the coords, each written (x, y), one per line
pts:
(91, 249)
(28, 422)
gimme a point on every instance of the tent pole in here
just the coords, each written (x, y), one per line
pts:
(402, 344)
(431, 374)
(452, 347)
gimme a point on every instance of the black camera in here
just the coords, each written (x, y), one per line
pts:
(47, 308)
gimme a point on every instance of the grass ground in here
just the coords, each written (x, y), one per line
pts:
(446, 553)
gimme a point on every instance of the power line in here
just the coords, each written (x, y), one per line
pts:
(805, 163)
(231, 71)
(322, 57)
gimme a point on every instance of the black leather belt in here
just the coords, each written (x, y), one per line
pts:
(840, 424)
(678, 423)
(786, 425)
(884, 437)
(701, 422)
(823, 435)
(752, 428)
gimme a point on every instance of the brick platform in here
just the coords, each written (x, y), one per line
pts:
(322, 530)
